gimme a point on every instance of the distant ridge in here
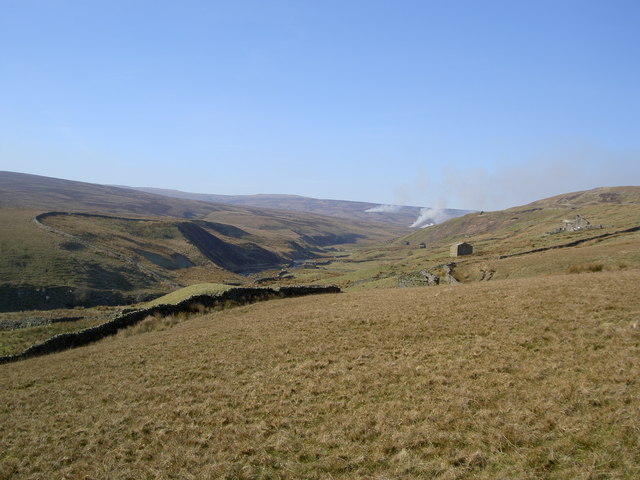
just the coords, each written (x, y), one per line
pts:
(397, 215)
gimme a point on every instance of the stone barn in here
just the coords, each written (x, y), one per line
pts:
(459, 249)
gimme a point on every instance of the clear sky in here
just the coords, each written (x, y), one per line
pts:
(464, 104)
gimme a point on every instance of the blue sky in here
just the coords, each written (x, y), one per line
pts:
(463, 104)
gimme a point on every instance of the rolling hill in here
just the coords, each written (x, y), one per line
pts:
(526, 241)
(70, 243)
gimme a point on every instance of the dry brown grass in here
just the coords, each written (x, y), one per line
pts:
(586, 267)
(529, 378)
(17, 339)
(614, 254)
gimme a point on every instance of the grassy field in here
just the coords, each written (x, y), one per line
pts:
(186, 292)
(15, 341)
(517, 378)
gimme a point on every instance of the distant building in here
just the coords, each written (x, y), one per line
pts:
(406, 242)
(576, 224)
(459, 249)
(423, 245)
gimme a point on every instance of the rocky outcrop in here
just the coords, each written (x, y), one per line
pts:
(423, 278)
(448, 274)
(233, 296)
(486, 274)
(427, 278)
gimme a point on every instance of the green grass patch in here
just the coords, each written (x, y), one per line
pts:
(187, 292)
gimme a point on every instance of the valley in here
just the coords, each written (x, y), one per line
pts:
(516, 361)
(108, 246)
(319, 240)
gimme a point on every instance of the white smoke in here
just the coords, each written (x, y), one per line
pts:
(385, 209)
(518, 181)
(430, 216)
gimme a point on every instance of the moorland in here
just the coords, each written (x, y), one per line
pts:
(66, 244)
(398, 215)
(520, 363)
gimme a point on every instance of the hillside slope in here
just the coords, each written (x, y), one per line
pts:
(615, 207)
(530, 378)
(593, 230)
(70, 243)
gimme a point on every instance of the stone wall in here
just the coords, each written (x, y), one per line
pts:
(234, 296)
(574, 243)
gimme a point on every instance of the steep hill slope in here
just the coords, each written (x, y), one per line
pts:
(398, 215)
(69, 243)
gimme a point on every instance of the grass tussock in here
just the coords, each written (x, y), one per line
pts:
(528, 379)
(154, 323)
(586, 267)
(159, 322)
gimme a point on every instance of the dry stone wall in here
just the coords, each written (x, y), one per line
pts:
(572, 244)
(234, 296)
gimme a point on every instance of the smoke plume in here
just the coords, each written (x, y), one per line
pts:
(509, 184)
(385, 209)
(430, 216)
